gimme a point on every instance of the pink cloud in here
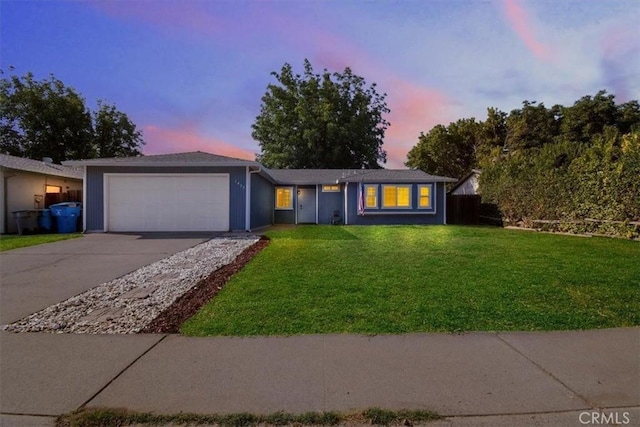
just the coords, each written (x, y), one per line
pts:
(185, 139)
(520, 21)
(414, 109)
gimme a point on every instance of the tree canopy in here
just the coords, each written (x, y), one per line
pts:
(328, 120)
(552, 164)
(48, 119)
(466, 144)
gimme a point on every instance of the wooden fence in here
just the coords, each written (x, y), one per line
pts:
(69, 196)
(463, 209)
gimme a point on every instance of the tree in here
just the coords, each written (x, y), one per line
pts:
(532, 126)
(321, 121)
(575, 166)
(48, 119)
(589, 116)
(43, 119)
(629, 117)
(448, 151)
(114, 134)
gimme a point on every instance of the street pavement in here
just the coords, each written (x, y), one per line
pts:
(494, 379)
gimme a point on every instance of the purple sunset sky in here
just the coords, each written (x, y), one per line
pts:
(191, 73)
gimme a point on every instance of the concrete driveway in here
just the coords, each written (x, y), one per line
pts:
(36, 277)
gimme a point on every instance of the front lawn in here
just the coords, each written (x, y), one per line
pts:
(387, 279)
(8, 242)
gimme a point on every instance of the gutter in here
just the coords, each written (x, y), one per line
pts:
(156, 164)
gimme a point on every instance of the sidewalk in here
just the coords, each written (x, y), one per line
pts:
(539, 378)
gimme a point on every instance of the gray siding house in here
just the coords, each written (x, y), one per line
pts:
(205, 192)
(27, 184)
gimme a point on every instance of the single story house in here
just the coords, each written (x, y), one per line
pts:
(27, 184)
(206, 192)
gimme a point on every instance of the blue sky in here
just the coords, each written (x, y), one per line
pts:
(191, 73)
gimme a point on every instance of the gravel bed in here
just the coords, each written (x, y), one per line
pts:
(127, 304)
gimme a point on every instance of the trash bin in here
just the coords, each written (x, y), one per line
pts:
(26, 220)
(66, 215)
(44, 220)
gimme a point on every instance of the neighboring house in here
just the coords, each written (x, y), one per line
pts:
(205, 192)
(463, 200)
(27, 184)
(467, 185)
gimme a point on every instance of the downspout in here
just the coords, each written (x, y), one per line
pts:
(445, 203)
(84, 199)
(317, 189)
(346, 203)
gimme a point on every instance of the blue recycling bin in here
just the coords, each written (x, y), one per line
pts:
(44, 220)
(66, 215)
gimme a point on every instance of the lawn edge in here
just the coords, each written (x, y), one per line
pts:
(170, 320)
(60, 238)
(99, 417)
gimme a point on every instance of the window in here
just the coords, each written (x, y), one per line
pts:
(424, 196)
(284, 198)
(53, 189)
(371, 196)
(330, 188)
(396, 196)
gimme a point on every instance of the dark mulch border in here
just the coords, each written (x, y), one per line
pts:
(170, 320)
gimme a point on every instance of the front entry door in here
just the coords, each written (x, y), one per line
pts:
(307, 205)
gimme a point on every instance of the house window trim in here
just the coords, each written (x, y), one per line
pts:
(275, 195)
(396, 207)
(366, 196)
(431, 206)
(48, 187)
(325, 190)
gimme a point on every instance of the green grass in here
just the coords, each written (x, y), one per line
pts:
(8, 242)
(106, 417)
(386, 279)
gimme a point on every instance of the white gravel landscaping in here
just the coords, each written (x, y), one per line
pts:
(127, 304)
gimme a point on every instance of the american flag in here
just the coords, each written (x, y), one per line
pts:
(361, 199)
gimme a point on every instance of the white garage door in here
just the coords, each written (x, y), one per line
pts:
(166, 202)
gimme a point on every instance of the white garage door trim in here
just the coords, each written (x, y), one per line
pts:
(183, 202)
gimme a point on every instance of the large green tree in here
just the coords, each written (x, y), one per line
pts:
(589, 116)
(328, 120)
(448, 151)
(114, 134)
(457, 148)
(534, 125)
(576, 166)
(45, 118)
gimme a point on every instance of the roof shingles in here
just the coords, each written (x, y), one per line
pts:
(333, 176)
(280, 176)
(195, 158)
(35, 166)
